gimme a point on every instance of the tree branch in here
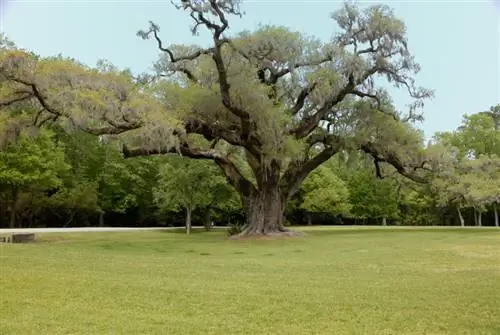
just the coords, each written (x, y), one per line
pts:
(231, 171)
(276, 75)
(197, 12)
(379, 106)
(298, 170)
(393, 160)
(213, 132)
(12, 101)
(308, 124)
(301, 99)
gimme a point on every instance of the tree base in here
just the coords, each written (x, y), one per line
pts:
(283, 233)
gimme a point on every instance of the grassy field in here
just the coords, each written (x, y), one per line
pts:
(333, 281)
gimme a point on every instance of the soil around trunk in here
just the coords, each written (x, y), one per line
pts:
(287, 234)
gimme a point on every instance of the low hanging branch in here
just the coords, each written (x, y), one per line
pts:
(231, 171)
(393, 160)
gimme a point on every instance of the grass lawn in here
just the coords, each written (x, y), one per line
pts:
(333, 281)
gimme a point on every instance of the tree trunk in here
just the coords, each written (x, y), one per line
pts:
(475, 217)
(479, 218)
(309, 219)
(384, 221)
(101, 219)
(462, 222)
(188, 220)
(495, 209)
(208, 221)
(13, 211)
(264, 211)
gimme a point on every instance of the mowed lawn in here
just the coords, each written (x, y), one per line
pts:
(333, 281)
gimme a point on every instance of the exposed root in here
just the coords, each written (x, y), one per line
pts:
(281, 234)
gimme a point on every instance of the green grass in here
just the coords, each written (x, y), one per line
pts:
(333, 281)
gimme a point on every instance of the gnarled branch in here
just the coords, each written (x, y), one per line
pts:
(231, 171)
(393, 160)
(298, 170)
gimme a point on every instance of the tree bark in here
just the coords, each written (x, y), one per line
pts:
(264, 211)
(188, 220)
(479, 218)
(495, 209)
(384, 221)
(462, 222)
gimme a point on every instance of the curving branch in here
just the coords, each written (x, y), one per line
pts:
(213, 132)
(231, 171)
(198, 12)
(301, 99)
(298, 170)
(393, 160)
(24, 97)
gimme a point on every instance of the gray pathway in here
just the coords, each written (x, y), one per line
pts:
(84, 229)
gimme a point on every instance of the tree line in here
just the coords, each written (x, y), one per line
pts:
(49, 178)
(263, 129)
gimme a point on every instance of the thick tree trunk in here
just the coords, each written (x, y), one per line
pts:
(479, 218)
(188, 220)
(384, 221)
(495, 209)
(460, 216)
(309, 219)
(264, 212)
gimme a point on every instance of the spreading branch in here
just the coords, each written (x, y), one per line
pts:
(231, 171)
(298, 170)
(393, 160)
(213, 132)
(198, 13)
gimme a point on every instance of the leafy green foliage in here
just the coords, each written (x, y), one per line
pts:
(324, 192)
(372, 198)
(33, 161)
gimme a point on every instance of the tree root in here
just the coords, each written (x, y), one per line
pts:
(269, 235)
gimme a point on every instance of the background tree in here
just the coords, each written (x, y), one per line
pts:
(324, 192)
(190, 185)
(30, 161)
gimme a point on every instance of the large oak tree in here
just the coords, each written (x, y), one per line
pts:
(285, 101)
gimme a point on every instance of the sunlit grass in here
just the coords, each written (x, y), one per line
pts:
(333, 281)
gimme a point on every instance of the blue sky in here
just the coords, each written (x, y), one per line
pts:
(457, 43)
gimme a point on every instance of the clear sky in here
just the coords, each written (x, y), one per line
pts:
(457, 43)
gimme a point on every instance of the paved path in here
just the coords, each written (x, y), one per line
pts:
(85, 229)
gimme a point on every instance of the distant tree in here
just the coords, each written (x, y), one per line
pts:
(371, 197)
(30, 160)
(190, 184)
(324, 192)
